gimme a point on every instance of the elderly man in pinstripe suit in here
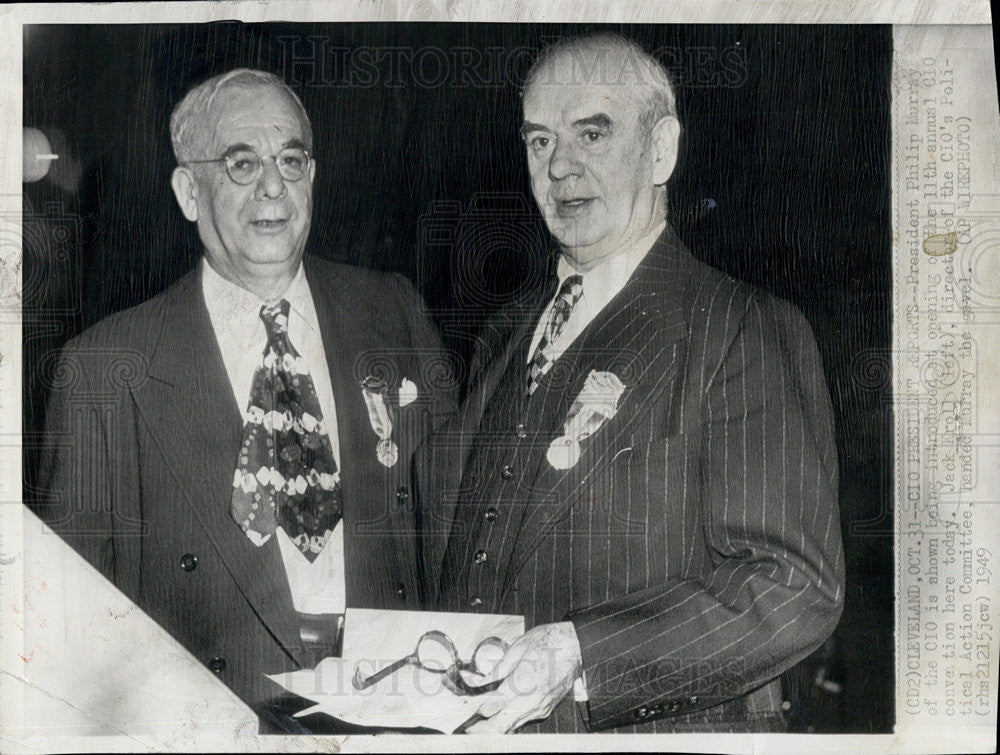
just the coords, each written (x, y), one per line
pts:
(645, 465)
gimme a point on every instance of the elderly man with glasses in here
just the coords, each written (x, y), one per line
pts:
(246, 475)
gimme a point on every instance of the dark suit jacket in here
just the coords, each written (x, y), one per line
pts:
(142, 441)
(696, 544)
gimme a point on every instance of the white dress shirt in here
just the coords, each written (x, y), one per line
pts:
(316, 587)
(600, 285)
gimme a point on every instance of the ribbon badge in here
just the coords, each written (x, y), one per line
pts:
(596, 403)
(375, 391)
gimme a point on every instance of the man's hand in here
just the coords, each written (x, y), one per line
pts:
(538, 670)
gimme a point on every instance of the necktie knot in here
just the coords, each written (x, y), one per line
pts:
(275, 317)
(570, 291)
(569, 294)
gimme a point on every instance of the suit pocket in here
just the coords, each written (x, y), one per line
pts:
(647, 477)
(637, 452)
(671, 450)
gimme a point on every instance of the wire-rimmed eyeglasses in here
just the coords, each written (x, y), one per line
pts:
(244, 165)
(435, 652)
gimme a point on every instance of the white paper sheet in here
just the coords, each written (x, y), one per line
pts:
(410, 697)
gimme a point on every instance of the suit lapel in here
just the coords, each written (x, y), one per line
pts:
(517, 326)
(336, 310)
(190, 411)
(634, 337)
(340, 312)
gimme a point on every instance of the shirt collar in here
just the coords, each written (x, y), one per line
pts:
(615, 270)
(231, 301)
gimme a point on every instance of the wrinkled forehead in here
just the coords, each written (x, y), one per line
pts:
(259, 111)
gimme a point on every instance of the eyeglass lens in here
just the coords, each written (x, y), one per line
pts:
(487, 655)
(244, 166)
(436, 652)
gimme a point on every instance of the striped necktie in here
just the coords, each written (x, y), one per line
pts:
(569, 294)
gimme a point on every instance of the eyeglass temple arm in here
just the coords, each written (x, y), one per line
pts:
(361, 683)
(459, 686)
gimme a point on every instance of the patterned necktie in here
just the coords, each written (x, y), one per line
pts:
(286, 475)
(569, 294)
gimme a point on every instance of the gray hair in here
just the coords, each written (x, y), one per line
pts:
(650, 85)
(186, 120)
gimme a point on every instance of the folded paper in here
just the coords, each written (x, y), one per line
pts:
(410, 697)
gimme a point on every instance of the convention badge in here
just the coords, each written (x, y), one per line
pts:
(591, 409)
(380, 416)
(601, 392)
(563, 453)
(387, 452)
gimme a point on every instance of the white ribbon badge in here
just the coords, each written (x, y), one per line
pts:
(596, 403)
(380, 417)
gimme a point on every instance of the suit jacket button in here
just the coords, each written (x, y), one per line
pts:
(475, 602)
(507, 472)
(674, 706)
(217, 664)
(401, 591)
(480, 557)
(189, 562)
(402, 494)
(491, 514)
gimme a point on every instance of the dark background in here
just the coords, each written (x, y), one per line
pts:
(783, 181)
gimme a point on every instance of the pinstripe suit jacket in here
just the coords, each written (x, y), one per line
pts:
(696, 544)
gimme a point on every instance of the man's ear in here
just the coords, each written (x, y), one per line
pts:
(665, 140)
(185, 188)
